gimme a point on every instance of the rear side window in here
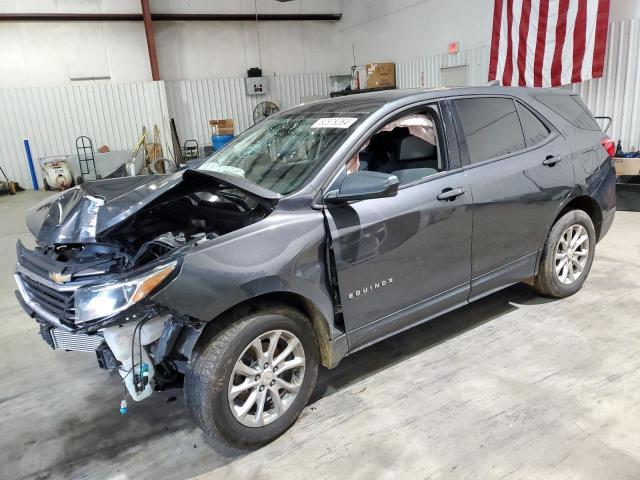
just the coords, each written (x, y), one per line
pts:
(491, 127)
(534, 130)
(571, 108)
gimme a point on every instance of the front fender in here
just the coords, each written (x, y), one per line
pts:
(283, 253)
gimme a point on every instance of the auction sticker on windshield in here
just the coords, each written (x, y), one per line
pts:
(335, 122)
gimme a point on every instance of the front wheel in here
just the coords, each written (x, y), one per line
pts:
(567, 256)
(249, 382)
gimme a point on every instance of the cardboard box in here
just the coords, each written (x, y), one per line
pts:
(381, 75)
(222, 127)
(627, 166)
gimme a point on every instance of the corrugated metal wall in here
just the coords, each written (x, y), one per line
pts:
(425, 72)
(192, 103)
(52, 117)
(113, 114)
(617, 93)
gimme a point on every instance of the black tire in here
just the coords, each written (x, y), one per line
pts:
(46, 185)
(210, 367)
(79, 180)
(547, 282)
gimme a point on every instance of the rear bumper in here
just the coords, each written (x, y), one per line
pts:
(605, 195)
(607, 221)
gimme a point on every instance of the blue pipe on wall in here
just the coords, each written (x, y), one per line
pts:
(34, 179)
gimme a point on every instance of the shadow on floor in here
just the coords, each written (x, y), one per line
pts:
(423, 337)
(101, 434)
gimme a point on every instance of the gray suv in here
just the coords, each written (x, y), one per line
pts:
(321, 230)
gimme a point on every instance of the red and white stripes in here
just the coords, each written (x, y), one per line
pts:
(547, 43)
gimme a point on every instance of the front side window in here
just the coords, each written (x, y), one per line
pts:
(534, 130)
(283, 153)
(406, 147)
(491, 127)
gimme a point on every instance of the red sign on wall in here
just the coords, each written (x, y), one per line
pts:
(453, 47)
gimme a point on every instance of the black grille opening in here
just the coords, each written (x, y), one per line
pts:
(58, 303)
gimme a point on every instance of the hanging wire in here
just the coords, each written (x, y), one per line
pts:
(258, 32)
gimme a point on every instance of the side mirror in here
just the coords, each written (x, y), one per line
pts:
(364, 185)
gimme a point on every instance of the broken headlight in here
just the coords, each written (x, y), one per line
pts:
(100, 301)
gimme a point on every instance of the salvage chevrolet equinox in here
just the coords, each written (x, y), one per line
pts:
(317, 232)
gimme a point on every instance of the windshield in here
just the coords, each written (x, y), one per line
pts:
(282, 153)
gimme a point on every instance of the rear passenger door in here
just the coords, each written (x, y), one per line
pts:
(520, 171)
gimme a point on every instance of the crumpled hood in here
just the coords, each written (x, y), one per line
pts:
(80, 214)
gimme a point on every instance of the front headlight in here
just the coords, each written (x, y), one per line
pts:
(103, 300)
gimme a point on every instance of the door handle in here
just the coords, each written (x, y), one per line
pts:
(451, 193)
(550, 161)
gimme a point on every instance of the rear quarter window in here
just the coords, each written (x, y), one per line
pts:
(571, 108)
(491, 127)
(534, 130)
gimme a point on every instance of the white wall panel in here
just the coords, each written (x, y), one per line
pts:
(425, 71)
(617, 93)
(192, 103)
(400, 30)
(51, 118)
(49, 53)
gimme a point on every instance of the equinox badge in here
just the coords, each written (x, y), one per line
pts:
(370, 288)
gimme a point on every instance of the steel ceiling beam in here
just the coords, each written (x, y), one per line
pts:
(167, 17)
(246, 17)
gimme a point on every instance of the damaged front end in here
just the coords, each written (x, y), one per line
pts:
(105, 249)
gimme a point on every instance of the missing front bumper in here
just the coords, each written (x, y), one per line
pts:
(60, 339)
(75, 342)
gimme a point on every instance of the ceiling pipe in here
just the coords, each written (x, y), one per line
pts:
(167, 17)
(246, 17)
(71, 17)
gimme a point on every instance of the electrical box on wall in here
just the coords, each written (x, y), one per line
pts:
(256, 85)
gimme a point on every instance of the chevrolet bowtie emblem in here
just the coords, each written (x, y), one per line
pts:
(59, 278)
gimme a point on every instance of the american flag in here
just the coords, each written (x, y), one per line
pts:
(547, 43)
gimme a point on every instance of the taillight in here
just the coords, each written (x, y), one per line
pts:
(609, 146)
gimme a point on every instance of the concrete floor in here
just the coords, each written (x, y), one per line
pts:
(513, 386)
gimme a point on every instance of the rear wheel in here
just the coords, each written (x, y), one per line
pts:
(567, 256)
(248, 384)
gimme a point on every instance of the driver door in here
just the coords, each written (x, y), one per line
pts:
(404, 259)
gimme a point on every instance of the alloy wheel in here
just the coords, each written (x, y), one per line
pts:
(266, 378)
(572, 254)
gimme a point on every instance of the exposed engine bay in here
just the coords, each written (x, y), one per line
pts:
(167, 225)
(93, 293)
